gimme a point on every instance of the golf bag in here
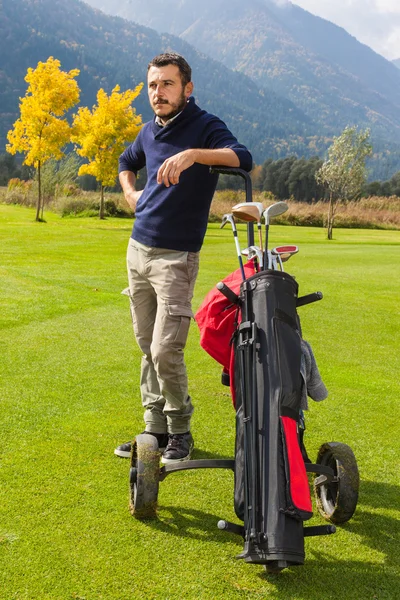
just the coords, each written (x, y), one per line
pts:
(271, 492)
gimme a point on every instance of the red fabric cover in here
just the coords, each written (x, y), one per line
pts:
(216, 318)
(299, 488)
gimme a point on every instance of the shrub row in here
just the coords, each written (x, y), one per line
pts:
(373, 212)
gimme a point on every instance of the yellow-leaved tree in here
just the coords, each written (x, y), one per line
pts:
(40, 132)
(102, 133)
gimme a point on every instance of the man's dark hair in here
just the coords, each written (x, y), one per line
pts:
(172, 58)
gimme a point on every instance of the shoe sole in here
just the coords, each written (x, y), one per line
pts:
(122, 453)
(171, 461)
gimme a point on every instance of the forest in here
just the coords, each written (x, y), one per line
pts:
(285, 178)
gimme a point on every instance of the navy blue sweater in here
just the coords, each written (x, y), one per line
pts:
(176, 217)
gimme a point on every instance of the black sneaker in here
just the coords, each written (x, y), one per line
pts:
(124, 450)
(180, 446)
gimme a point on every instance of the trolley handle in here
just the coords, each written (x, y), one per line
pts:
(241, 173)
(248, 189)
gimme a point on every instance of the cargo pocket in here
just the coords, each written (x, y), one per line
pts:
(177, 328)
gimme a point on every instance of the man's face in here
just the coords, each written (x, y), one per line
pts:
(167, 94)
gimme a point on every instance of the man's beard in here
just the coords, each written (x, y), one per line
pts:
(176, 107)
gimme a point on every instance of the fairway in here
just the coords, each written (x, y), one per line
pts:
(69, 373)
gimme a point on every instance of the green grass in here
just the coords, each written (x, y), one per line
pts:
(69, 393)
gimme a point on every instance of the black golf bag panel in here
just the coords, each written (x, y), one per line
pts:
(271, 492)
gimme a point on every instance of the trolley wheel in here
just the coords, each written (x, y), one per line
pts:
(144, 477)
(337, 500)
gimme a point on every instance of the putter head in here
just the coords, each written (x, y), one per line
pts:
(248, 211)
(285, 252)
(227, 218)
(274, 210)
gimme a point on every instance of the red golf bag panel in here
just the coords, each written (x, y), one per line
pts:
(298, 499)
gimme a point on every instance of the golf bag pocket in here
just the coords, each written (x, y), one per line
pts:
(288, 344)
(297, 502)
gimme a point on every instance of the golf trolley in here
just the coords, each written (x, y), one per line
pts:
(266, 375)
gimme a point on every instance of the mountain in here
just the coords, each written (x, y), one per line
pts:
(110, 51)
(326, 72)
(396, 62)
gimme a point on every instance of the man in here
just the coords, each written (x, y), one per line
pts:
(178, 146)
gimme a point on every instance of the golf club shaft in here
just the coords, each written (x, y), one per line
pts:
(238, 251)
(260, 242)
(266, 257)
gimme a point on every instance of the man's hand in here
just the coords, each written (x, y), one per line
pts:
(170, 170)
(132, 197)
(127, 180)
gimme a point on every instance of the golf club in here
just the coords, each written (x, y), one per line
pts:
(228, 218)
(285, 252)
(254, 252)
(250, 211)
(272, 211)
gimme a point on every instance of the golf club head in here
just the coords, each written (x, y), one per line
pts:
(274, 210)
(227, 218)
(248, 211)
(255, 251)
(285, 252)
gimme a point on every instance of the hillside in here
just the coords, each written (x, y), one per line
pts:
(109, 50)
(325, 71)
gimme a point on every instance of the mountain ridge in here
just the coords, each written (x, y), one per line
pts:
(324, 70)
(109, 51)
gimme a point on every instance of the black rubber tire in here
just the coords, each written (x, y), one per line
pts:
(144, 477)
(337, 500)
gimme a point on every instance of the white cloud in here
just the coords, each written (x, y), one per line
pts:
(392, 6)
(373, 22)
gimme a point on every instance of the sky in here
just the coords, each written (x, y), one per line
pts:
(373, 22)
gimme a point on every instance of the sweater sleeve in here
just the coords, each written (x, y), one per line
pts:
(217, 135)
(133, 158)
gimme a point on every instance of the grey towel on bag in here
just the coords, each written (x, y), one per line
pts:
(313, 384)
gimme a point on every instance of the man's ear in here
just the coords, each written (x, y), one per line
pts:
(189, 89)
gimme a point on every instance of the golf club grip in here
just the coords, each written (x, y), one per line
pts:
(228, 293)
(309, 298)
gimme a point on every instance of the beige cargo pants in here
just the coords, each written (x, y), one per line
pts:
(161, 284)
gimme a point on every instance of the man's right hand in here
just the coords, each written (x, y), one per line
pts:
(127, 180)
(132, 197)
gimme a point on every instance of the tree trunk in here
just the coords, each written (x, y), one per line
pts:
(330, 218)
(39, 202)
(101, 213)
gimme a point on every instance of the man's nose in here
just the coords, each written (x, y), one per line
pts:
(159, 90)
